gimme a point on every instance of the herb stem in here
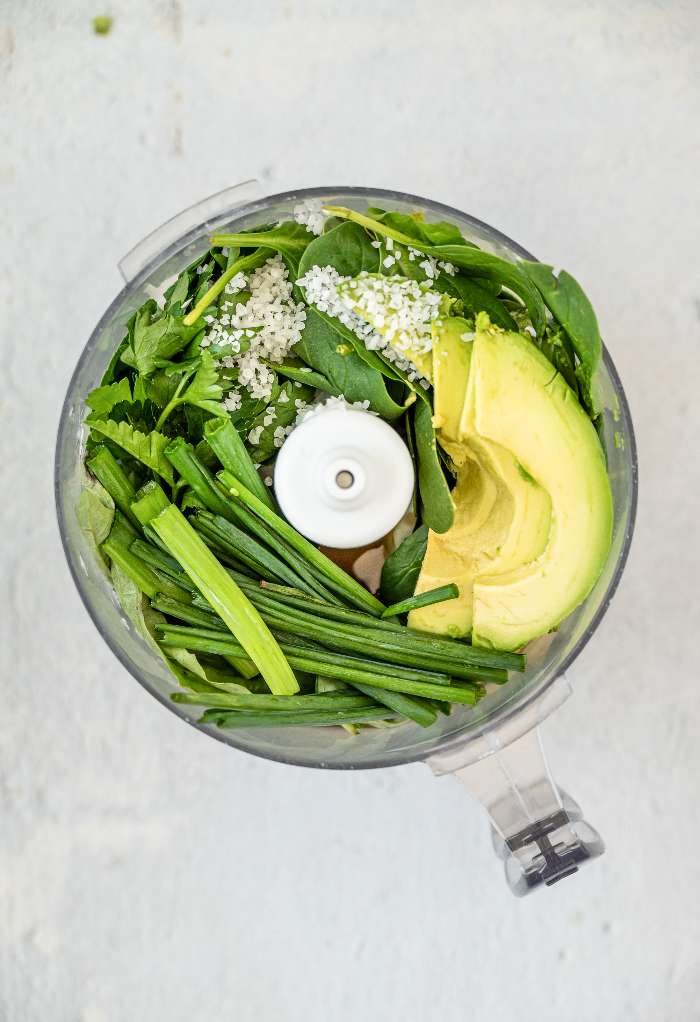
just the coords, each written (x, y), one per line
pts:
(249, 262)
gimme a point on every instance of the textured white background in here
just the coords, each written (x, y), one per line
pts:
(147, 872)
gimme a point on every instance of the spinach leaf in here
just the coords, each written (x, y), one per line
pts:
(159, 339)
(348, 249)
(103, 399)
(250, 407)
(289, 238)
(347, 373)
(570, 306)
(413, 225)
(437, 509)
(473, 261)
(148, 449)
(475, 299)
(401, 569)
(296, 369)
(556, 346)
(285, 410)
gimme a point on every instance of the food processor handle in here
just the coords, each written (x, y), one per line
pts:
(536, 828)
(203, 216)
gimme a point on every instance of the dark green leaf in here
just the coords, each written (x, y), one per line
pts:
(285, 410)
(437, 509)
(204, 390)
(569, 304)
(289, 238)
(413, 225)
(401, 569)
(103, 399)
(347, 374)
(348, 249)
(297, 370)
(160, 339)
(148, 449)
(475, 299)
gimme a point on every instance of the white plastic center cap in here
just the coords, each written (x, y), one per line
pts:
(344, 478)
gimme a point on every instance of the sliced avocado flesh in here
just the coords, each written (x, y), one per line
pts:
(451, 357)
(414, 349)
(522, 405)
(501, 520)
(533, 520)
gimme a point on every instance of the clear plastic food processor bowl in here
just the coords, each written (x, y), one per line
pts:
(493, 748)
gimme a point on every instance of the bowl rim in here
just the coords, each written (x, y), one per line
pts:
(132, 285)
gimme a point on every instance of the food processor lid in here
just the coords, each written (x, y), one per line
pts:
(344, 477)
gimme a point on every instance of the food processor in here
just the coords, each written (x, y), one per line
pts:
(493, 748)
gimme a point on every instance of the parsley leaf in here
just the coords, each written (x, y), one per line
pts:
(158, 340)
(103, 399)
(148, 449)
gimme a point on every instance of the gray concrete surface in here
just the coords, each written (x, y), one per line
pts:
(147, 872)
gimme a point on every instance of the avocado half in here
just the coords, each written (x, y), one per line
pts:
(533, 507)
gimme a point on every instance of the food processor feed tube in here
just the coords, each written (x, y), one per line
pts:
(492, 748)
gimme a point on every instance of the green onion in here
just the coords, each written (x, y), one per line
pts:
(149, 502)
(105, 466)
(193, 615)
(148, 581)
(294, 718)
(225, 441)
(325, 701)
(199, 478)
(247, 549)
(439, 595)
(402, 704)
(226, 598)
(208, 640)
(457, 660)
(352, 589)
(333, 665)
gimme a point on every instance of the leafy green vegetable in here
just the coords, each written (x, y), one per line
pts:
(242, 265)
(204, 391)
(348, 249)
(347, 374)
(289, 238)
(437, 509)
(413, 225)
(285, 411)
(103, 399)
(401, 569)
(158, 338)
(474, 299)
(95, 514)
(149, 449)
(427, 599)
(296, 369)
(568, 302)
(474, 261)
(137, 607)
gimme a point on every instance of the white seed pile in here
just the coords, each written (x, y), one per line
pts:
(310, 212)
(321, 285)
(402, 308)
(269, 320)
